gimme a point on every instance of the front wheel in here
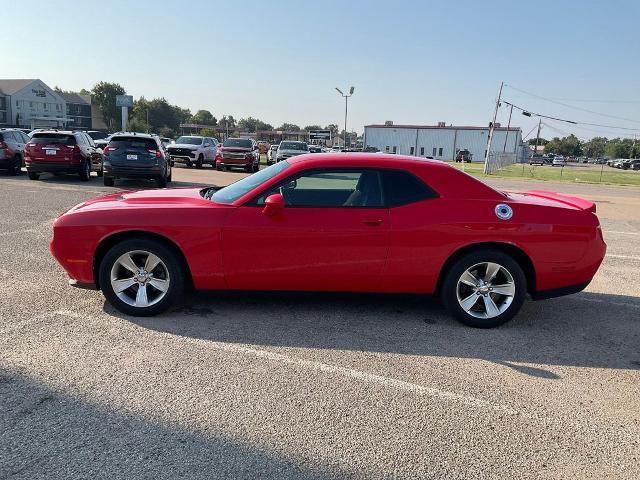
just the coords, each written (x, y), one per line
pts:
(108, 181)
(484, 289)
(141, 277)
(200, 161)
(33, 175)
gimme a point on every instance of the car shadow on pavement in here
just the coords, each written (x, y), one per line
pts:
(52, 434)
(583, 330)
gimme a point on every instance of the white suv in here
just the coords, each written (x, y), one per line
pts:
(194, 149)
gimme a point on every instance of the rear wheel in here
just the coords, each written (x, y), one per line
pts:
(101, 171)
(33, 175)
(199, 161)
(169, 174)
(108, 181)
(17, 166)
(141, 277)
(484, 289)
(85, 171)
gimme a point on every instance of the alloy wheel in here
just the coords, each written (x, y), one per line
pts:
(485, 290)
(140, 278)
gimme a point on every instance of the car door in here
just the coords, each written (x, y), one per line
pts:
(332, 235)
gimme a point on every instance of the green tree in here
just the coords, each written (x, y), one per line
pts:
(251, 124)
(541, 141)
(167, 132)
(227, 121)
(158, 113)
(568, 146)
(204, 117)
(308, 128)
(621, 148)
(289, 127)
(595, 147)
(208, 132)
(333, 128)
(103, 95)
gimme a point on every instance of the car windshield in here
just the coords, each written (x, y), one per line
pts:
(234, 191)
(53, 139)
(98, 135)
(293, 146)
(189, 140)
(237, 142)
(133, 143)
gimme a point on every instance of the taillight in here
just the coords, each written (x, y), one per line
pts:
(157, 152)
(3, 145)
(107, 150)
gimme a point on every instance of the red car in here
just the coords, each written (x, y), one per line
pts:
(362, 222)
(62, 152)
(238, 153)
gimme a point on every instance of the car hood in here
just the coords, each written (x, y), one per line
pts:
(292, 152)
(236, 149)
(187, 197)
(184, 145)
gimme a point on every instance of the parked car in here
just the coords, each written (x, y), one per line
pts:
(315, 212)
(136, 155)
(59, 152)
(464, 156)
(194, 149)
(97, 135)
(558, 161)
(166, 141)
(538, 160)
(288, 149)
(271, 154)
(12, 143)
(632, 164)
(239, 152)
(617, 163)
(315, 149)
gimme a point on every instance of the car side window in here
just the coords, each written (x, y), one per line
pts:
(26, 137)
(8, 136)
(331, 188)
(402, 188)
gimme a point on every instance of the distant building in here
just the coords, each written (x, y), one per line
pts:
(443, 142)
(30, 103)
(78, 109)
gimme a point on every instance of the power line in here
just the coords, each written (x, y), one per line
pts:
(571, 106)
(530, 113)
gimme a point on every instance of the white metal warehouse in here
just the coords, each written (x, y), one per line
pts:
(443, 142)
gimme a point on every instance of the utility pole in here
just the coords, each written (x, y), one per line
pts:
(491, 129)
(504, 148)
(538, 135)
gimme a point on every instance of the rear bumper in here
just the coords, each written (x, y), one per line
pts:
(52, 167)
(130, 172)
(559, 292)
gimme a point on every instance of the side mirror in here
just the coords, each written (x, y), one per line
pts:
(273, 204)
(206, 145)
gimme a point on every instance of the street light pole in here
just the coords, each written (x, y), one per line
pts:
(346, 109)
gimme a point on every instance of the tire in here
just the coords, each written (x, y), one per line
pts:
(17, 166)
(33, 175)
(108, 181)
(168, 273)
(188, 164)
(509, 277)
(200, 161)
(161, 181)
(100, 172)
(85, 171)
(170, 174)
(218, 167)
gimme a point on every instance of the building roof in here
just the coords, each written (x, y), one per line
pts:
(11, 86)
(447, 127)
(72, 97)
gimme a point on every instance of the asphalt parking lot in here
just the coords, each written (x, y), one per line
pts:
(311, 386)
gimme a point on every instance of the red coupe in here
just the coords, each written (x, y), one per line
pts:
(357, 222)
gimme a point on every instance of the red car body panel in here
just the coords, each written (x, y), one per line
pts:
(400, 249)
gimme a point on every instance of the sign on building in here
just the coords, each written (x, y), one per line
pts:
(319, 134)
(124, 100)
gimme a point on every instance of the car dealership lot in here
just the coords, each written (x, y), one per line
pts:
(281, 385)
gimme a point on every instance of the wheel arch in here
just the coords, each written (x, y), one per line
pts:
(513, 251)
(108, 242)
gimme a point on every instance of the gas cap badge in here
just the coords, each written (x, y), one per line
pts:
(503, 211)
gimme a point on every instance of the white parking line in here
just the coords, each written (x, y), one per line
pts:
(624, 257)
(621, 233)
(365, 377)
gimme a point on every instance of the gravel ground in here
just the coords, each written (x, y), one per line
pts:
(311, 386)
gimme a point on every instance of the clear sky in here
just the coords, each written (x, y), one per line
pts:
(410, 61)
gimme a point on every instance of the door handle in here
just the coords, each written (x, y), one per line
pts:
(373, 222)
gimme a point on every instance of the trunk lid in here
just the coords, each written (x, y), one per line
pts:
(52, 147)
(566, 200)
(132, 152)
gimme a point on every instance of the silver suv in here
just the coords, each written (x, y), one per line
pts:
(288, 149)
(194, 149)
(12, 142)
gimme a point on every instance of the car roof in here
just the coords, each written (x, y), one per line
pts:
(134, 134)
(62, 132)
(367, 158)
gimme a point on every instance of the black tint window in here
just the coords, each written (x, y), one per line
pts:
(53, 138)
(133, 142)
(401, 188)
